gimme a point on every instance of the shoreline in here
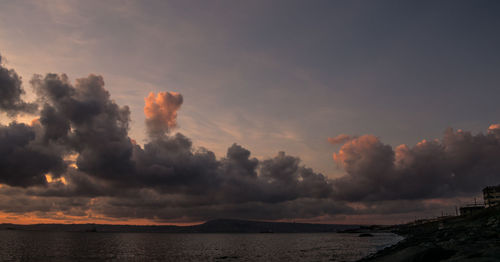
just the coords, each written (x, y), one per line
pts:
(474, 237)
(211, 226)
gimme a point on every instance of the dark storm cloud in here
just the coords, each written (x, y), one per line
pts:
(24, 160)
(15, 200)
(461, 163)
(177, 183)
(99, 127)
(81, 140)
(172, 166)
(289, 180)
(165, 178)
(11, 92)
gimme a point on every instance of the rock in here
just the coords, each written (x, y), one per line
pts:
(422, 253)
(450, 244)
(434, 254)
(470, 238)
(489, 234)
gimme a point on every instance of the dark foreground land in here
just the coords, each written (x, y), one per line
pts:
(213, 226)
(474, 237)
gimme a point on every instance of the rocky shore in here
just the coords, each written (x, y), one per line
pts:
(474, 237)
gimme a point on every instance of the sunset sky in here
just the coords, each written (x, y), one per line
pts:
(144, 112)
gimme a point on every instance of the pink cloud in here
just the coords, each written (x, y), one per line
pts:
(161, 112)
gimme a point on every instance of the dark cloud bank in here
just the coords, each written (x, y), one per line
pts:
(80, 137)
(10, 93)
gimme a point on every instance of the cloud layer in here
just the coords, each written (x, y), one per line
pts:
(340, 139)
(77, 159)
(81, 135)
(459, 164)
(10, 93)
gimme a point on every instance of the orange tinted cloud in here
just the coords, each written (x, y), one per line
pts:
(35, 121)
(161, 112)
(494, 127)
(340, 139)
(355, 146)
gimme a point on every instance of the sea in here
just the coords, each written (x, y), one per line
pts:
(16, 245)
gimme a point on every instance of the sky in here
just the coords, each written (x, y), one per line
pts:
(185, 111)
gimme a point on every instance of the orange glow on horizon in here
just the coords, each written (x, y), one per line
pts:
(32, 218)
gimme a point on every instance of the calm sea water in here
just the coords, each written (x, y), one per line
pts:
(67, 246)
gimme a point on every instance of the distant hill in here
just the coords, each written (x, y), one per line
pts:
(245, 226)
(213, 226)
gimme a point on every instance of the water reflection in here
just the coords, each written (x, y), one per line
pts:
(68, 246)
